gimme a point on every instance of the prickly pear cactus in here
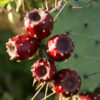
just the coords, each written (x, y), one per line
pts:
(81, 21)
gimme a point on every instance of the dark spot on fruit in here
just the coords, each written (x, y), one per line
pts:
(70, 83)
(64, 44)
(34, 16)
(41, 71)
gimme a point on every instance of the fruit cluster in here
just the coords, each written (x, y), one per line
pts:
(39, 24)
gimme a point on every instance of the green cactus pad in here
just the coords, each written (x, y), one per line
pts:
(84, 24)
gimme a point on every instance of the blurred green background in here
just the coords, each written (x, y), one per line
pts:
(15, 78)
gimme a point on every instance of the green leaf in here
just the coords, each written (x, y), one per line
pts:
(3, 2)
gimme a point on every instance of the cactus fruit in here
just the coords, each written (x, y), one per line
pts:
(22, 47)
(38, 23)
(67, 82)
(44, 70)
(60, 47)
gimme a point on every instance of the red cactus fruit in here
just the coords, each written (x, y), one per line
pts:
(90, 96)
(60, 47)
(44, 70)
(22, 47)
(38, 23)
(67, 82)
